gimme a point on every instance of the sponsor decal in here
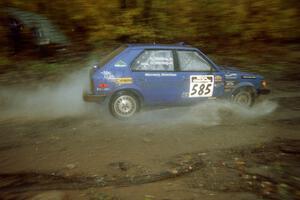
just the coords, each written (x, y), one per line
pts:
(184, 95)
(155, 60)
(120, 63)
(201, 85)
(121, 80)
(107, 75)
(231, 76)
(219, 84)
(168, 74)
(152, 74)
(103, 89)
(218, 78)
(124, 80)
(248, 77)
(160, 61)
(229, 84)
(161, 74)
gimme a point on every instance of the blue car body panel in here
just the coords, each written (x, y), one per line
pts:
(166, 87)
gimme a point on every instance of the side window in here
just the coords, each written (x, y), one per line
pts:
(192, 61)
(154, 60)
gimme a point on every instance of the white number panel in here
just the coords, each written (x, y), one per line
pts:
(201, 85)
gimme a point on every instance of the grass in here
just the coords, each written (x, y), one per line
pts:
(4, 60)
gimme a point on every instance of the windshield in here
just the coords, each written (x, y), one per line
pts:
(111, 55)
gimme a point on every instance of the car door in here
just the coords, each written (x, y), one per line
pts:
(153, 72)
(200, 79)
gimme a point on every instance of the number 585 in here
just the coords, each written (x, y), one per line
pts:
(201, 89)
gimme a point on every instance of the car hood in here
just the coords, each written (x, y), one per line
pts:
(232, 70)
(229, 69)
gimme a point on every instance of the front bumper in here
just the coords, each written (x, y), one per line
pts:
(263, 91)
(92, 97)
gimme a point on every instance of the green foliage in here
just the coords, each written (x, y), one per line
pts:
(217, 21)
(4, 61)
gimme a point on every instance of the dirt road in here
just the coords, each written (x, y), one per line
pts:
(67, 138)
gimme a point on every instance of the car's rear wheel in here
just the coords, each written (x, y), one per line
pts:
(244, 97)
(124, 105)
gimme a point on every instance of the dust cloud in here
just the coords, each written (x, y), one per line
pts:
(47, 99)
(209, 113)
(54, 100)
(214, 113)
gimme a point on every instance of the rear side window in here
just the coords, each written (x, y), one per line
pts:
(111, 55)
(192, 61)
(154, 60)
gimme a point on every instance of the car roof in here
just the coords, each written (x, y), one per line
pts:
(160, 46)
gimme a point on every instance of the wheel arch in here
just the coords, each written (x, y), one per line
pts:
(133, 91)
(244, 85)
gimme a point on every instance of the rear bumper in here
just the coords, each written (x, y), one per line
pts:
(263, 91)
(93, 98)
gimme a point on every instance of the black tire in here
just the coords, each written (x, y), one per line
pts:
(244, 97)
(124, 105)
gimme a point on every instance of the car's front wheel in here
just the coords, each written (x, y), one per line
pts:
(123, 105)
(244, 97)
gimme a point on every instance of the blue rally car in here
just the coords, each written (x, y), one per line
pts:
(135, 75)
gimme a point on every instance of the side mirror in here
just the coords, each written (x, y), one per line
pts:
(96, 66)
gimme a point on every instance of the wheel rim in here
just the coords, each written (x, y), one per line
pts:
(125, 106)
(243, 98)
